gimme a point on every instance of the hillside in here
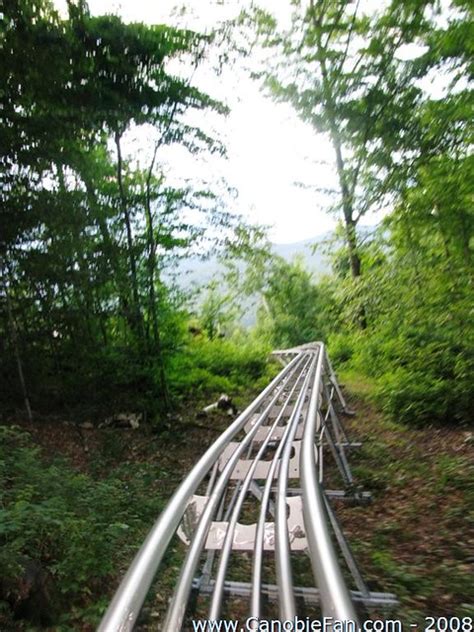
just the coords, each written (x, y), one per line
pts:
(195, 271)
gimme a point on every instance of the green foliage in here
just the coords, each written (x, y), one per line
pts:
(338, 66)
(87, 231)
(399, 305)
(78, 528)
(218, 312)
(294, 307)
(438, 392)
(418, 346)
(341, 347)
(207, 367)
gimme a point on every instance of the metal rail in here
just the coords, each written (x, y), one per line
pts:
(279, 439)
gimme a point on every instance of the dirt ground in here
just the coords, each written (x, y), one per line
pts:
(415, 539)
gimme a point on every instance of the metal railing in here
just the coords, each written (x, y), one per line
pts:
(282, 437)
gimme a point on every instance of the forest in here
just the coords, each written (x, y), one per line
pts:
(94, 321)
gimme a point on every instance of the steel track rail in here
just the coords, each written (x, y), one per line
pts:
(334, 594)
(216, 602)
(125, 607)
(259, 536)
(282, 435)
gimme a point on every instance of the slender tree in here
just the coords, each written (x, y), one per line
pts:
(338, 67)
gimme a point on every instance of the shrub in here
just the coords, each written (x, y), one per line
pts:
(413, 397)
(423, 375)
(213, 366)
(341, 347)
(78, 529)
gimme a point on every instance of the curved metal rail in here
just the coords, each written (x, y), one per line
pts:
(282, 437)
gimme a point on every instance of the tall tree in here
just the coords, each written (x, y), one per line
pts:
(338, 67)
(84, 225)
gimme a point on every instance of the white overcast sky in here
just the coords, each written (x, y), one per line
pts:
(269, 148)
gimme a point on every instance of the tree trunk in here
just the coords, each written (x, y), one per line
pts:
(109, 246)
(137, 315)
(16, 348)
(350, 222)
(152, 267)
(346, 196)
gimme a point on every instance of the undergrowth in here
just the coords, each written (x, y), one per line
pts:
(418, 378)
(78, 530)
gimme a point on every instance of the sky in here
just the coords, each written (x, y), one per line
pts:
(270, 151)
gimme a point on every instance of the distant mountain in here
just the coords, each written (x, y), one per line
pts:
(194, 271)
(315, 258)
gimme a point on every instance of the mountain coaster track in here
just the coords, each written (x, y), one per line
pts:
(265, 495)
